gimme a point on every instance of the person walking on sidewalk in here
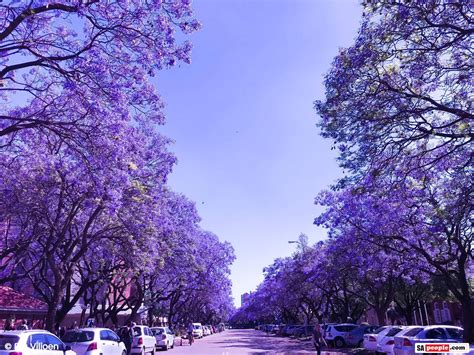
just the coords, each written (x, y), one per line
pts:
(318, 339)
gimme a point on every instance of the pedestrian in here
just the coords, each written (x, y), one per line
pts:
(23, 325)
(126, 336)
(9, 324)
(318, 339)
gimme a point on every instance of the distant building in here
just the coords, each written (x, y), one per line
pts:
(244, 298)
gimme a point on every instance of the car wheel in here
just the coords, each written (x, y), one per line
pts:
(153, 352)
(360, 344)
(124, 352)
(339, 343)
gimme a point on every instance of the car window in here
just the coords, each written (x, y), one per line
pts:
(147, 331)
(413, 332)
(345, 328)
(78, 337)
(104, 335)
(54, 342)
(36, 341)
(112, 336)
(454, 333)
(137, 331)
(158, 331)
(378, 330)
(394, 331)
(9, 341)
(435, 333)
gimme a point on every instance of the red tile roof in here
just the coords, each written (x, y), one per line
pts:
(12, 300)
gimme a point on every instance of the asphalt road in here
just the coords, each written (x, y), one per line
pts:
(248, 341)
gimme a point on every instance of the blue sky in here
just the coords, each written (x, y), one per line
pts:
(243, 122)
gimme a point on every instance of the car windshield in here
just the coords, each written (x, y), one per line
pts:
(378, 330)
(197, 327)
(454, 333)
(8, 339)
(78, 337)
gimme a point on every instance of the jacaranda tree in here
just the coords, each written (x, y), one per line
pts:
(85, 210)
(72, 68)
(398, 107)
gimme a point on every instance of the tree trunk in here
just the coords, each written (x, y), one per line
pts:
(408, 313)
(468, 320)
(380, 316)
(51, 316)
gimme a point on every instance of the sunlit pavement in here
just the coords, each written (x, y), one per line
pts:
(248, 341)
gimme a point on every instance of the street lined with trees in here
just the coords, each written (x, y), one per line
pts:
(398, 108)
(86, 214)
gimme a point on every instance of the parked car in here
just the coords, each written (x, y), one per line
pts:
(356, 336)
(303, 331)
(32, 342)
(325, 327)
(288, 330)
(205, 330)
(336, 334)
(275, 329)
(92, 341)
(198, 332)
(211, 331)
(143, 340)
(164, 337)
(405, 342)
(386, 342)
(371, 340)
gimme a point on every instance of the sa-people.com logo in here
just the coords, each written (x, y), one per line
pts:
(460, 348)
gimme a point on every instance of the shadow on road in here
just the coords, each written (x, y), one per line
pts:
(260, 343)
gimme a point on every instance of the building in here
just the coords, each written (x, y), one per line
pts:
(17, 306)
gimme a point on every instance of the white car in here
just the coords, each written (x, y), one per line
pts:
(164, 337)
(405, 341)
(337, 333)
(205, 330)
(198, 332)
(32, 342)
(143, 340)
(386, 342)
(94, 341)
(370, 340)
